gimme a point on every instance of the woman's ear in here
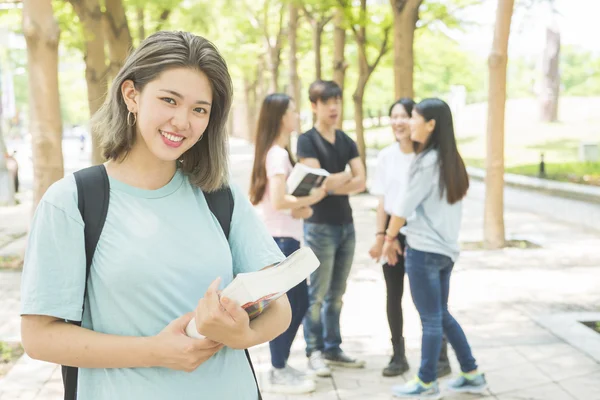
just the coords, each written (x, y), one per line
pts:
(130, 96)
(430, 125)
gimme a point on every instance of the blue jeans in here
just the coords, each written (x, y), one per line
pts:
(429, 278)
(298, 297)
(334, 247)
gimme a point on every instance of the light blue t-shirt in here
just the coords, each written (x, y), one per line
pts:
(158, 253)
(432, 224)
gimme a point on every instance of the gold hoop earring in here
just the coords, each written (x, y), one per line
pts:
(129, 114)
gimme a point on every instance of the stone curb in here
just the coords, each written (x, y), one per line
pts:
(564, 189)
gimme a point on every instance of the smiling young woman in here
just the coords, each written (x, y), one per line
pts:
(162, 129)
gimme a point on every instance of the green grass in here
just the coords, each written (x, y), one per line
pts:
(9, 353)
(595, 325)
(475, 162)
(11, 262)
(575, 172)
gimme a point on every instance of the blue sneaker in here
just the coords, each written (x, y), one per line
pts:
(466, 383)
(417, 389)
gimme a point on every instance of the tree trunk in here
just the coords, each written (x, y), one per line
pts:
(357, 98)
(339, 60)
(164, 16)
(406, 15)
(251, 97)
(294, 88)
(96, 70)
(249, 117)
(262, 83)
(117, 34)
(140, 21)
(317, 34)
(7, 183)
(364, 72)
(551, 76)
(274, 61)
(45, 125)
(494, 179)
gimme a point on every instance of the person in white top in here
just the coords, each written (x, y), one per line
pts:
(391, 180)
(283, 215)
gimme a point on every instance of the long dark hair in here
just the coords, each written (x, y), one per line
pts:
(405, 102)
(453, 174)
(268, 129)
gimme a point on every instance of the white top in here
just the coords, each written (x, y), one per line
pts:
(280, 223)
(391, 177)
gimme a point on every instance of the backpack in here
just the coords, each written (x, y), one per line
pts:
(93, 190)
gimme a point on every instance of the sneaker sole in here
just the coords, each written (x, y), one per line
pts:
(345, 365)
(410, 396)
(318, 374)
(469, 390)
(393, 374)
(284, 389)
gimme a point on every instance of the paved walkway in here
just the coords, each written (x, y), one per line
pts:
(500, 297)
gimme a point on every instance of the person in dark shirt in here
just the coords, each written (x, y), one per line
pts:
(329, 232)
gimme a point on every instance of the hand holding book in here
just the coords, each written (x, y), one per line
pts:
(220, 317)
(181, 353)
(254, 291)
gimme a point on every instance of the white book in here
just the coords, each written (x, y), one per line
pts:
(303, 179)
(254, 291)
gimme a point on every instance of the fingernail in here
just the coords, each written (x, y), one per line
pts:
(224, 300)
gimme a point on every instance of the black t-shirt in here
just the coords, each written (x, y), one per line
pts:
(334, 210)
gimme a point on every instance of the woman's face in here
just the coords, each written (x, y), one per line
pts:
(420, 130)
(289, 119)
(399, 119)
(173, 111)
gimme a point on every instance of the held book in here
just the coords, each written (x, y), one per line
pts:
(303, 179)
(254, 291)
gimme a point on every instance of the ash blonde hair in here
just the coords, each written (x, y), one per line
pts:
(205, 163)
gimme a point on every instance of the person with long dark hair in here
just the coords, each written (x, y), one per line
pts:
(432, 210)
(391, 180)
(283, 214)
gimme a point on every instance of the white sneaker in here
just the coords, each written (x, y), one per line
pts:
(296, 372)
(284, 381)
(316, 364)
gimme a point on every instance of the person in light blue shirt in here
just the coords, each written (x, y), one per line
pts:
(391, 179)
(432, 209)
(162, 255)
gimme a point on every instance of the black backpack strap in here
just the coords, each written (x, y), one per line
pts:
(93, 191)
(253, 373)
(220, 203)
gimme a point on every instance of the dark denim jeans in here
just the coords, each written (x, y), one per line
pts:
(429, 278)
(334, 247)
(298, 297)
